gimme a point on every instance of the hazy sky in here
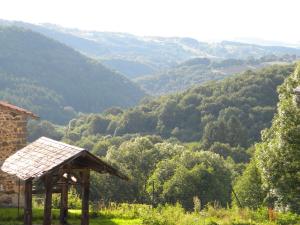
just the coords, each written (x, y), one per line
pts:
(202, 19)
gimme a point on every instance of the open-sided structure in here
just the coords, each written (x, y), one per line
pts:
(57, 165)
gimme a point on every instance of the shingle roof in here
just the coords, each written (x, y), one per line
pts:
(17, 109)
(44, 155)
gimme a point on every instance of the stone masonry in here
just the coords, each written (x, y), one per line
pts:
(13, 134)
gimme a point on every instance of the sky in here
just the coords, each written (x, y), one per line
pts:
(206, 20)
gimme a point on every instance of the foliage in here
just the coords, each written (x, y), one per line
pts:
(136, 56)
(191, 174)
(278, 154)
(130, 68)
(232, 111)
(137, 214)
(105, 217)
(199, 70)
(238, 154)
(137, 158)
(74, 201)
(37, 129)
(145, 142)
(248, 188)
(56, 81)
(143, 158)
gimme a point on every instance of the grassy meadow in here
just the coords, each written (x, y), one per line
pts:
(136, 214)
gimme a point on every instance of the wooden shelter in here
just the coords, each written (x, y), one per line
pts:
(57, 165)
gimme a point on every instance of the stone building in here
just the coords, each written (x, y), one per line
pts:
(13, 135)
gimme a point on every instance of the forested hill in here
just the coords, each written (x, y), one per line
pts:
(199, 70)
(232, 111)
(56, 81)
(136, 56)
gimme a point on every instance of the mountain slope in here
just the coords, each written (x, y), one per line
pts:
(199, 70)
(142, 53)
(232, 111)
(131, 69)
(48, 77)
(165, 50)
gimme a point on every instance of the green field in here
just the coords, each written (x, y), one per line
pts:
(126, 214)
(9, 216)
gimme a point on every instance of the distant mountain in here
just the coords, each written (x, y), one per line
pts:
(131, 69)
(56, 81)
(258, 41)
(200, 70)
(122, 51)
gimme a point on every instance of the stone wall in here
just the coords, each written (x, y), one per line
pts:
(13, 133)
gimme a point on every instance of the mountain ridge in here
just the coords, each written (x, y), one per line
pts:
(37, 71)
(152, 52)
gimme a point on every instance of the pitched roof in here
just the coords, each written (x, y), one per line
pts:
(46, 155)
(17, 109)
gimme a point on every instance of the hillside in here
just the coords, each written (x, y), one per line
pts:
(142, 53)
(151, 143)
(232, 111)
(131, 69)
(194, 143)
(56, 81)
(199, 70)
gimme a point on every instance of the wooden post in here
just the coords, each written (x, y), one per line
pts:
(85, 197)
(19, 194)
(48, 200)
(28, 203)
(64, 203)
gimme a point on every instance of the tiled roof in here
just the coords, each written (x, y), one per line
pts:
(17, 109)
(45, 155)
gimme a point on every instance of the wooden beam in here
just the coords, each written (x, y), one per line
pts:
(85, 197)
(64, 203)
(42, 191)
(48, 200)
(28, 203)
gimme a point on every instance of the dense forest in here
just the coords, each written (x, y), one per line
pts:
(220, 128)
(246, 101)
(199, 143)
(200, 70)
(272, 176)
(55, 81)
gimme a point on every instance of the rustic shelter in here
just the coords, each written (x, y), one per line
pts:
(13, 135)
(57, 165)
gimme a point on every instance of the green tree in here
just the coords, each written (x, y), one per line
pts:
(98, 124)
(190, 174)
(214, 132)
(45, 128)
(278, 155)
(235, 132)
(248, 188)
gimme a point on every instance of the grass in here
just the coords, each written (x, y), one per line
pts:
(137, 214)
(9, 216)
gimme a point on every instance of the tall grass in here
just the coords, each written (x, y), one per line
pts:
(138, 214)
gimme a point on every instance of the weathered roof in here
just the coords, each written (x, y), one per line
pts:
(17, 109)
(46, 155)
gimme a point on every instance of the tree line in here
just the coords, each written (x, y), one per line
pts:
(203, 143)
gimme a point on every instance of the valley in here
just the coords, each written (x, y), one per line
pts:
(207, 132)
